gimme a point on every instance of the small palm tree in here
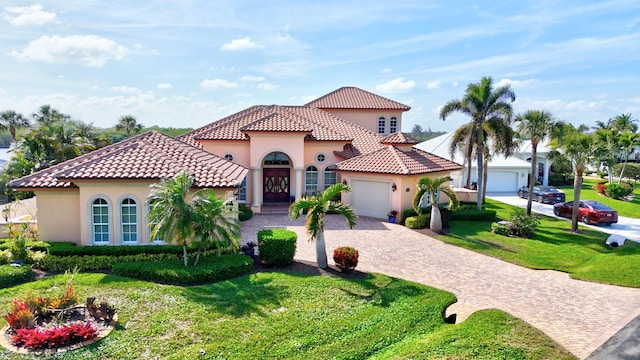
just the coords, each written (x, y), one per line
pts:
(429, 187)
(129, 125)
(316, 208)
(12, 121)
(535, 125)
(180, 217)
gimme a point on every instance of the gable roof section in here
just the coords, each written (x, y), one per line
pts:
(391, 160)
(148, 156)
(321, 125)
(354, 98)
(398, 138)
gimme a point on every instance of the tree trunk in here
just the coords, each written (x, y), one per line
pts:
(624, 165)
(435, 224)
(485, 173)
(469, 162)
(577, 185)
(321, 251)
(534, 165)
(184, 255)
(480, 156)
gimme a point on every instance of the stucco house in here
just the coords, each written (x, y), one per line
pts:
(265, 154)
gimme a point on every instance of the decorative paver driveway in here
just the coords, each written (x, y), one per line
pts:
(579, 315)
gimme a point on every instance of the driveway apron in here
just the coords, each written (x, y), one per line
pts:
(579, 315)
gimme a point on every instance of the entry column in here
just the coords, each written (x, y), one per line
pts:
(257, 190)
(298, 183)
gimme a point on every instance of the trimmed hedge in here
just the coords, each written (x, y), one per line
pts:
(474, 215)
(244, 213)
(14, 275)
(90, 262)
(71, 249)
(5, 244)
(208, 270)
(277, 246)
(417, 222)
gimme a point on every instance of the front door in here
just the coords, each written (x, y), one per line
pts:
(276, 185)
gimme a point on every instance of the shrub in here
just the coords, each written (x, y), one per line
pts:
(417, 222)
(346, 258)
(617, 191)
(603, 174)
(102, 262)
(245, 213)
(601, 187)
(14, 275)
(474, 215)
(211, 269)
(277, 246)
(53, 337)
(411, 212)
(71, 249)
(520, 225)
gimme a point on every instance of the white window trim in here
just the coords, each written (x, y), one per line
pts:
(383, 127)
(318, 160)
(317, 178)
(119, 234)
(395, 127)
(324, 176)
(91, 240)
(147, 227)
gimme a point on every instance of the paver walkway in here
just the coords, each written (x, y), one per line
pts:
(579, 315)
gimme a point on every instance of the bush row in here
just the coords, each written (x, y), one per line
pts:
(174, 272)
(14, 275)
(277, 246)
(90, 262)
(417, 222)
(474, 215)
(5, 244)
(71, 249)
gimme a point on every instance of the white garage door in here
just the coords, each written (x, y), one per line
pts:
(502, 181)
(371, 198)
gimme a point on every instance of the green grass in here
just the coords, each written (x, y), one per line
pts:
(293, 316)
(584, 256)
(588, 192)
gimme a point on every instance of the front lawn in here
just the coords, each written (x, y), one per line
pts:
(588, 192)
(292, 316)
(584, 256)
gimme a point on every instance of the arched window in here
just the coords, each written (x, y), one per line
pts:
(382, 125)
(158, 240)
(228, 157)
(393, 125)
(129, 221)
(311, 180)
(100, 221)
(330, 177)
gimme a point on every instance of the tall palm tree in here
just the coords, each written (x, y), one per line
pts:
(129, 125)
(629, 138)
(12, 121)
(47, 115)
(537, 126)
(429, 187)
(317, 207)
(180, 217)
(490, 111)
(576, 145)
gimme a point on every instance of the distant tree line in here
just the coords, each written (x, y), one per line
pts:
(421, 134)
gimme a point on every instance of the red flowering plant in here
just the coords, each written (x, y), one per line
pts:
(346, 258)
(54, 337)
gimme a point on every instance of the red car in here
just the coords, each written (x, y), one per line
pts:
(589, 212)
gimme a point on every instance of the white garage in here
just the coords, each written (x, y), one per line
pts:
(371, 198)
(502, 181)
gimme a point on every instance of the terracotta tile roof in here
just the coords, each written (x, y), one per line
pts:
(398, 138)
(355, 98)
(391, 160)
(322, 126)
(148, 156)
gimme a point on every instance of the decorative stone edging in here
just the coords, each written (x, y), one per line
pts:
(102, 333)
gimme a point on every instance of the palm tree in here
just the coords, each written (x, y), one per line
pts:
(537, 126)
(429, 187)
(47, 115)
(316, 207)
(178, 216)
(129, 125)
(11, 121)
(490, 112)
(629, 137)
(575, 145)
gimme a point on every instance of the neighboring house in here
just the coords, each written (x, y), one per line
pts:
(265, 154)
(542, 156)
(504, 175)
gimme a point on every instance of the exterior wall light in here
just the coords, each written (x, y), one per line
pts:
(394, 187)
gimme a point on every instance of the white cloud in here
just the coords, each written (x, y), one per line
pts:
(396, 85)
(88, 50)
(213, 84)
(163, 86)
(267, 86)
(434, 84)
(28, 15)
(240, 44)
(387, 70)
(250, 78)
(516, 83)
(126, 89)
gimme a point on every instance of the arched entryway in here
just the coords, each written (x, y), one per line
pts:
(276, 181)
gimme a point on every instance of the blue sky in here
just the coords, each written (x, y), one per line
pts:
(188, 63)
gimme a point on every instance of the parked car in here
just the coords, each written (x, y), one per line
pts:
(543, 194)
(589, 212)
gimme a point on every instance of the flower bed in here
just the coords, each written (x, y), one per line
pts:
(38, 325)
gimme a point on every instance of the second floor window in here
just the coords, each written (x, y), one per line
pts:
(393, 125)
(382, 125)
